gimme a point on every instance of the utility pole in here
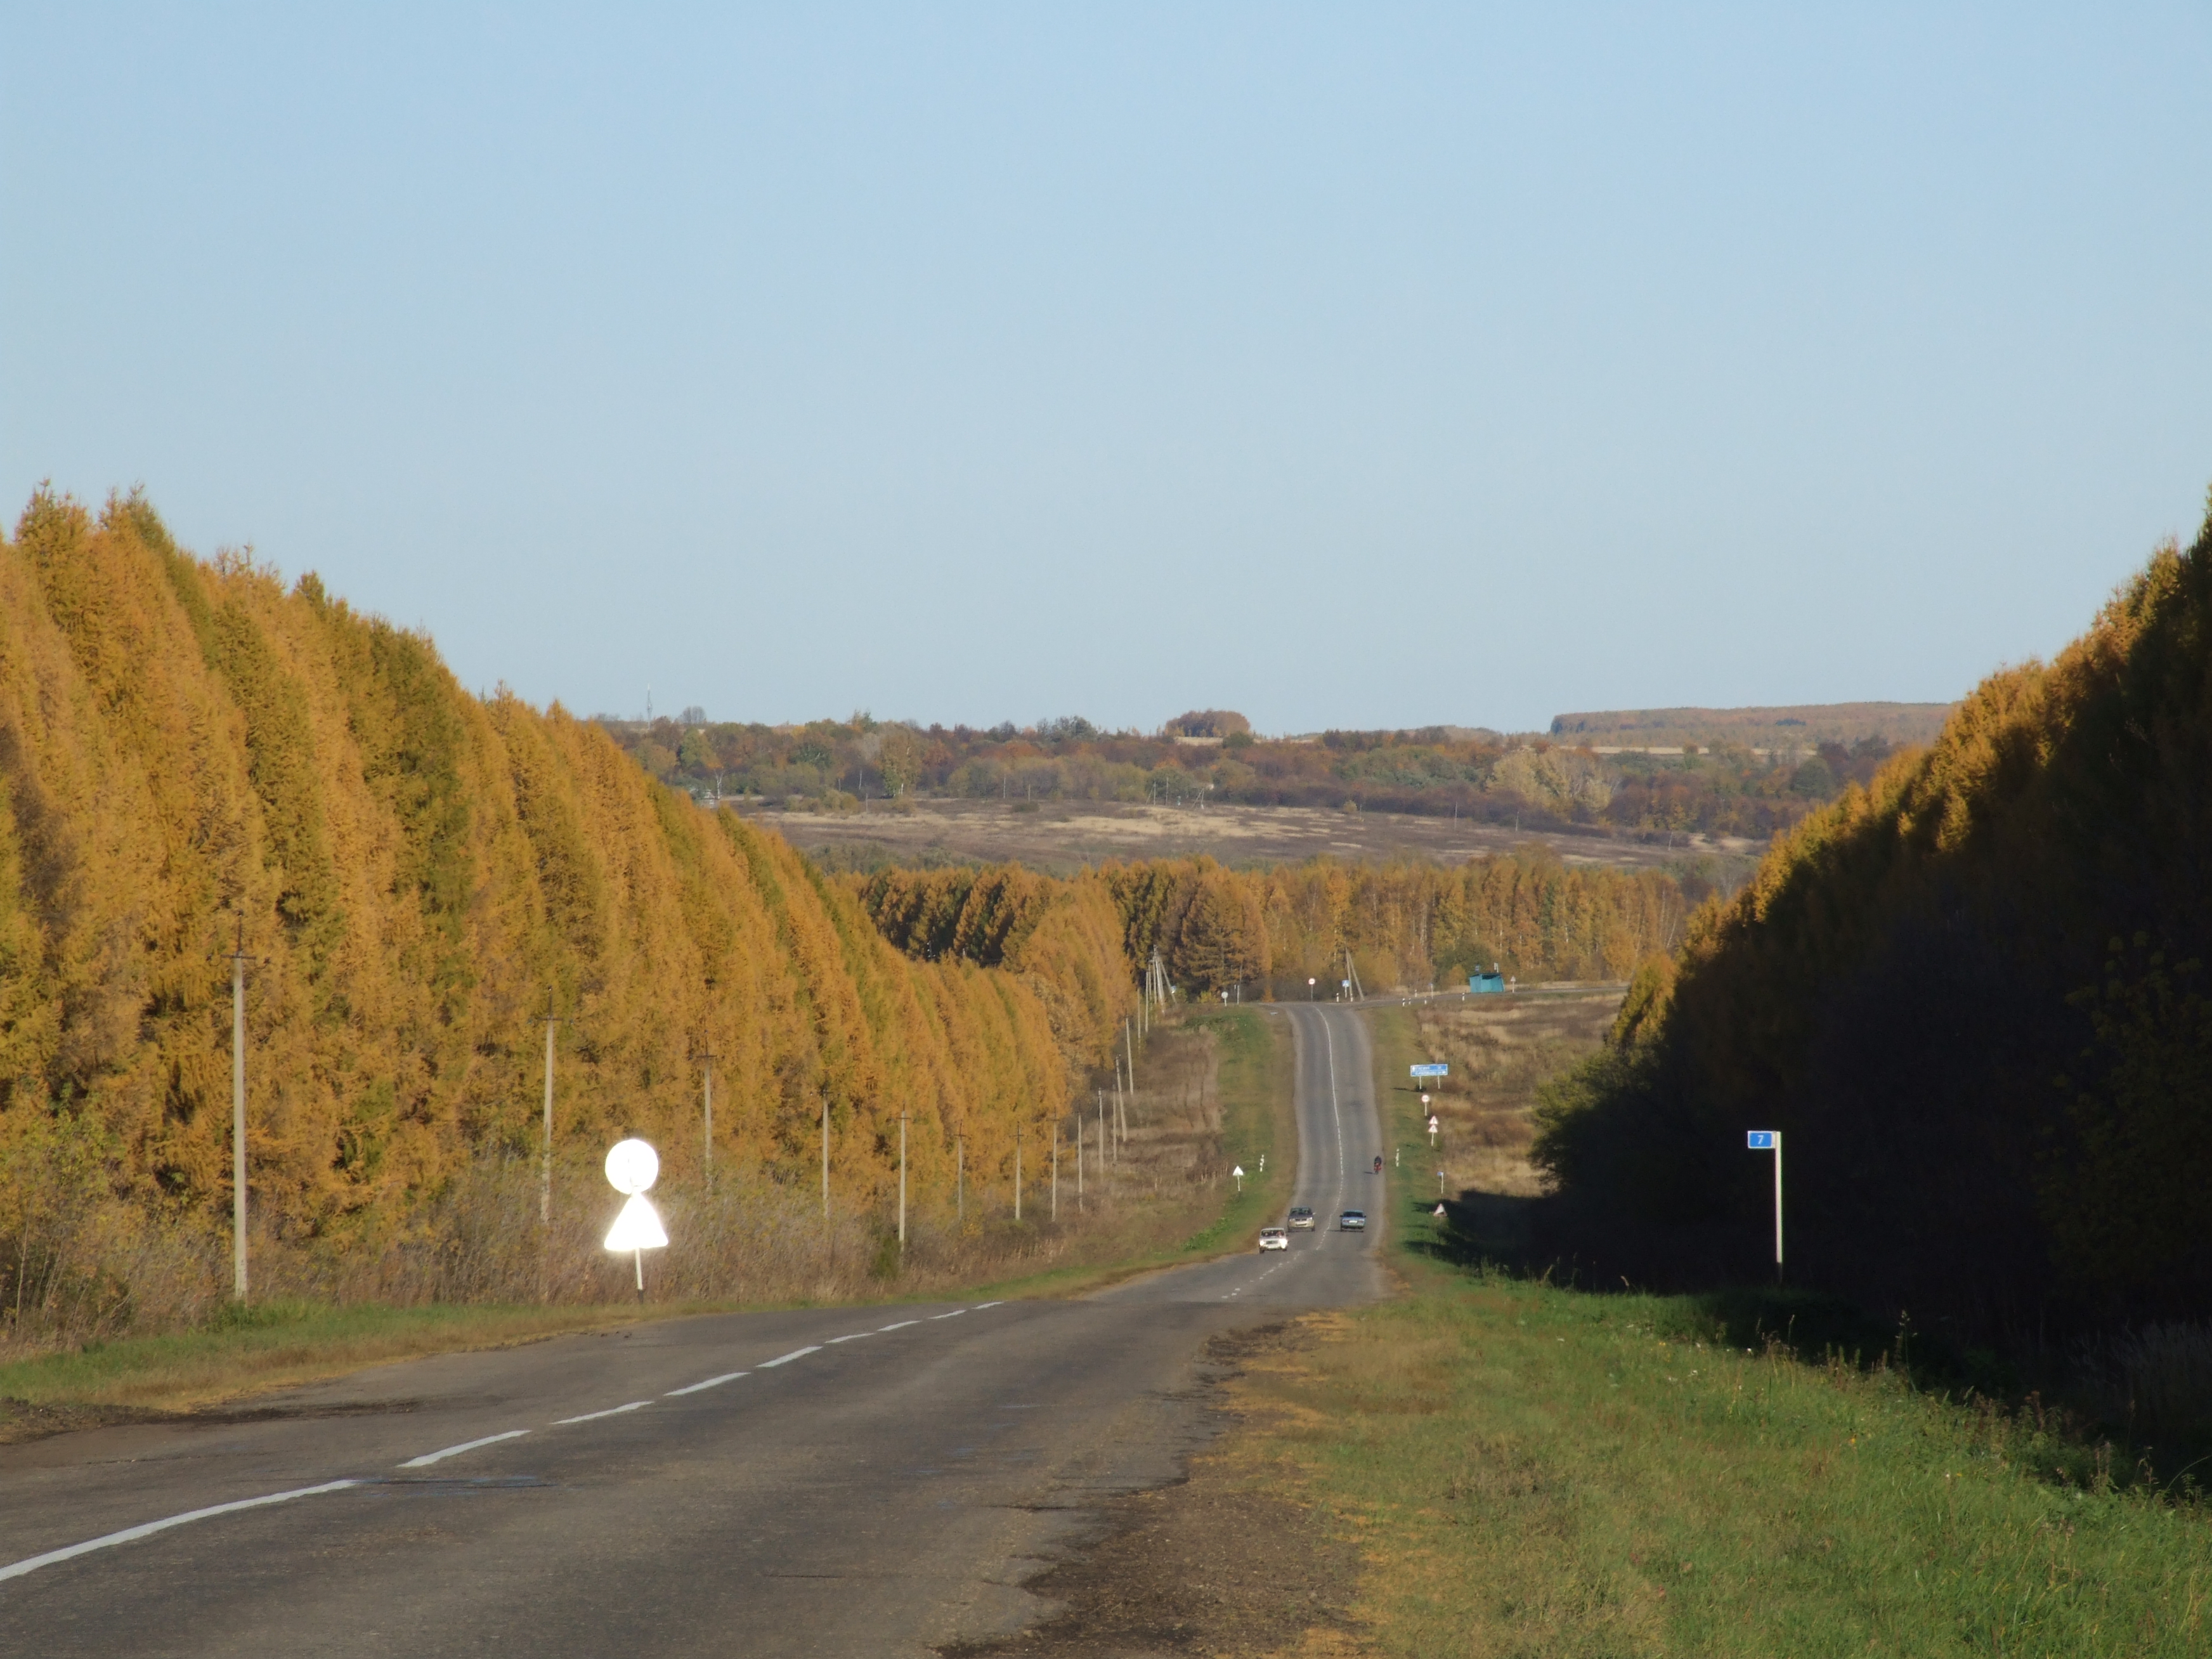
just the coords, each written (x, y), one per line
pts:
(546, 1158)
(238, 1112)
(707, 1058)
(901, 1183)
(1102, 1129)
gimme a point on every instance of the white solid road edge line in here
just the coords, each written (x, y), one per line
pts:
(429, 1458)
(785, 1359)
(711, 1383)
(594, 1417)
(130, 1535)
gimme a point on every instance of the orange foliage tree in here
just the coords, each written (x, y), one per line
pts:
(194, 756)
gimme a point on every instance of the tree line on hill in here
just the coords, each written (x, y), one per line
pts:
(1973, 995)
(196, 761)
(1213, 756)
(1258, 933)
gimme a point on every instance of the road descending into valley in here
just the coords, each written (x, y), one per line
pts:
(857, 1481)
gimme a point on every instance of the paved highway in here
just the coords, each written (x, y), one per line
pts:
(825, 1482)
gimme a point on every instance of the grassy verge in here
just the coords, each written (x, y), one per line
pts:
(265, 1347)
(1530, 1470)
(1259, 1127)
(1534, 1471)
(285, 1344)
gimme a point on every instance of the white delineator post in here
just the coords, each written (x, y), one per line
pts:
(1770, 1140)
(632, 1167)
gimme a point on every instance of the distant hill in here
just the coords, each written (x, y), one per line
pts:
(1803, 726)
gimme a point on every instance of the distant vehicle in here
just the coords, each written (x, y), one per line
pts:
(1301, 1217)
(1275, 1238)
(1378, 1166)
(1353, 1221)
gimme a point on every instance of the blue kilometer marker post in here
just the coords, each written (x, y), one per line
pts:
(1770, 1140)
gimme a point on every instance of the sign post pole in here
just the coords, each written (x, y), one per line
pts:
(1770, 1140)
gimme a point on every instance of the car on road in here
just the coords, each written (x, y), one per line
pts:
(1275, 1238)
(1301, 1217)
(1353, 1221)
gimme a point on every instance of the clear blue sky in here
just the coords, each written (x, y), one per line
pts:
(1350, 366)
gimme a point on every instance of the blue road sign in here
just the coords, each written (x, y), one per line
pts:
(1759, 1141)
(1431, 1071)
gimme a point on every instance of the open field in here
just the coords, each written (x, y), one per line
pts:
(1499, 1048)
(1212, 1090)
(1769, 730)
(1062, 836)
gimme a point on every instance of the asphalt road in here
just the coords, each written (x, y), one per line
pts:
(837, 1482)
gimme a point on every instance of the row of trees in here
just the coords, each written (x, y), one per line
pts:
(1213, 754)
(196, 759)
(1404, 925)
(1973, 995)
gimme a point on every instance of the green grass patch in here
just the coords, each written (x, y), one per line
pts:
(1259, 1124)
(1535, 1471)
(1531, 1470)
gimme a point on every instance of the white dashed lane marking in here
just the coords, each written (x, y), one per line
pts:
(594, 1417)
(129, 1534)
(711, 1383)
(429, 1458)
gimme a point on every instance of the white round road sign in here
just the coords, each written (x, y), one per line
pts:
(632, 1166)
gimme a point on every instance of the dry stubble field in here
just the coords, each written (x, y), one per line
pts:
(1062, 836)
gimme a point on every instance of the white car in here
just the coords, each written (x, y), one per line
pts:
(1275, 1238)
(1301, 1217)
(1353, 1221)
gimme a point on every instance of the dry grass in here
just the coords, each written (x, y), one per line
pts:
(1499, 1049)
(1060, 836)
